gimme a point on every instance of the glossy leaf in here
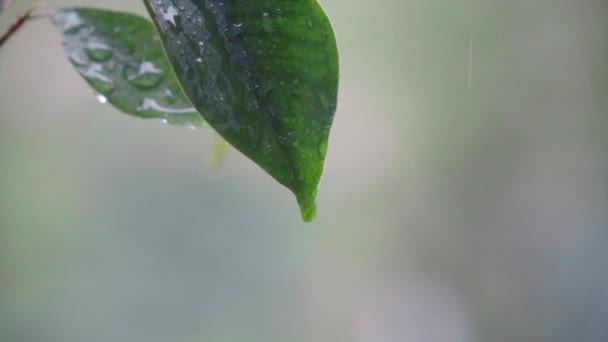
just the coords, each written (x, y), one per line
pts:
(120, 55)
(264, 74)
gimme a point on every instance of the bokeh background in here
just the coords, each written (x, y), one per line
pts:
(452, 208)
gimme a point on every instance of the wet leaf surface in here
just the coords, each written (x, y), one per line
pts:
(264, 74)
(121, 57)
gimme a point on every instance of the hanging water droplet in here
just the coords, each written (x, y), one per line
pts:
(98, 52)
(101, 98)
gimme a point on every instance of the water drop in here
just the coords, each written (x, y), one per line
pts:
(147, 76)
(71, 22)
(323, 148)
(96, 78)
(101, 98)
(99, 52)
(77, 58)
(150, 104)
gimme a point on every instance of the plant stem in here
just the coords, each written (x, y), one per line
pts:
(16, 26)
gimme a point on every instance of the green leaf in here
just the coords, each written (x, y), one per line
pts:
(264, 74)
(120, 55)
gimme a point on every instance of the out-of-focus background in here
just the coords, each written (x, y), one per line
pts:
(464, 197)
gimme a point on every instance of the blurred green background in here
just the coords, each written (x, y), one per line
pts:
(447, 213)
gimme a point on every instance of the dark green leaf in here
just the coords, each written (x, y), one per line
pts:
(120, 55)
(264, 74)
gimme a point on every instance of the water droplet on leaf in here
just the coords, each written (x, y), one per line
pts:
(98, 52)
(147, 76)
(323, 148)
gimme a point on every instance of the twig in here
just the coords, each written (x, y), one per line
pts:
(16, 26)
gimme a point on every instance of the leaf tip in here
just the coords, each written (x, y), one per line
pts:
(308, 208)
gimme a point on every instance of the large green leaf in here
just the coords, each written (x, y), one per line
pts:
(264, 74)
(120, 55)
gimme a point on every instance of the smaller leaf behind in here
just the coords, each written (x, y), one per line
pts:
(121, 57)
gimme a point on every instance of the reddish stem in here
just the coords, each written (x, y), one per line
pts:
(15, 26)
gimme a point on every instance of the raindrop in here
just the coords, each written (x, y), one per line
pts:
(99, 52)
(77, 58)
(147, 76)
(150, 104)
(96, 78)
(101, 98)
(323, 148)
(71, 22)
